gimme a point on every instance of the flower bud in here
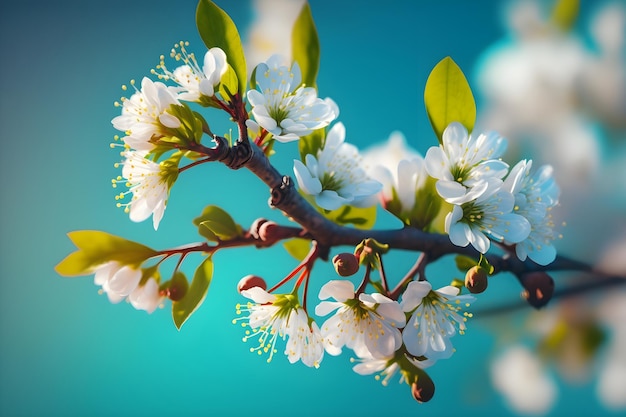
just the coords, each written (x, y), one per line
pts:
(256, 225)
(250, 281)
(177, 287)
(538, 288)
(346, 264)
(270, 231)
(423, 388)
(476, 279)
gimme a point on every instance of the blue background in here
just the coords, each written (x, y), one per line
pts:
(65, 350)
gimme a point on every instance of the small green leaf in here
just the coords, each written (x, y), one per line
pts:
(96, 248)
(448, 97)
(195, 295)
(305, 46)
(216, 28)
(361, 218)
(484, 263)
(215, 224)
(565, 13)
(311, 143)
(465, 263)
(228, 83)
(298, 248)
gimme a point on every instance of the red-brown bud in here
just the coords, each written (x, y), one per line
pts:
(538, 288)
(250, 281)
(346, 264)
(476, 279)
(423, 388)
(270, 231)
(256, 225)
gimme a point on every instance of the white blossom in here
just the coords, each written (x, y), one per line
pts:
(368, 324)
(335, 176)
(488, 216)
(285, 108)
(435, 318)
(196, 83)
(149, 182)
(280, 316)
(145, 115)
(462, 161)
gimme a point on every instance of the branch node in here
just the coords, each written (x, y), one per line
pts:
(280, 193)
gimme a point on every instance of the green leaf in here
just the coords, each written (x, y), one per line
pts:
(216, 28)
(484, 263)
(298, 248)
(215, 224)
(96, 248)
(311, 143)
(228, 83)
(565, 13)
(195, 295)
(448, 97)
(361, 218)
(465, 263)
(305, 46)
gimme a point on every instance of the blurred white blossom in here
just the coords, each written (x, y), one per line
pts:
(519, 375)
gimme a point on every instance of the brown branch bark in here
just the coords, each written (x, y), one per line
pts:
(328, 234)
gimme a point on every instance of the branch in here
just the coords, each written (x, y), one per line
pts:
(328, 234)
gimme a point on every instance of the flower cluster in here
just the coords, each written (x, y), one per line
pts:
(121, 282)
(373, 326)
(489, 202)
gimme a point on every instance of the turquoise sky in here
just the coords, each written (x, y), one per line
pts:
(65, 350)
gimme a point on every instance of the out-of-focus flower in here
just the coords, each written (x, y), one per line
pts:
(489, 216)
(612, 375)
(435, 318)
(117, 280)
(335, 176)
(273, 316)
(284, 107)
(120, 282)
(519, 376)
(534, 198)
(402, 173)
(147, 296)
(196, 83)
(368, 324)
(150, 183)
(145, 115)
(270, 31)
(462, 161)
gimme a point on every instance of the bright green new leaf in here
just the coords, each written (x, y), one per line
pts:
(311, 143)
(305, 46)
(465, 263)
(228, 83)
(565, 13)
(216, 28)
(96, 248)
(215, 224)
(298, 248)
(361, 218)
(448, 97)
(195, 295)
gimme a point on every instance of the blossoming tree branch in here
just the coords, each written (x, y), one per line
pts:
(461, 198)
